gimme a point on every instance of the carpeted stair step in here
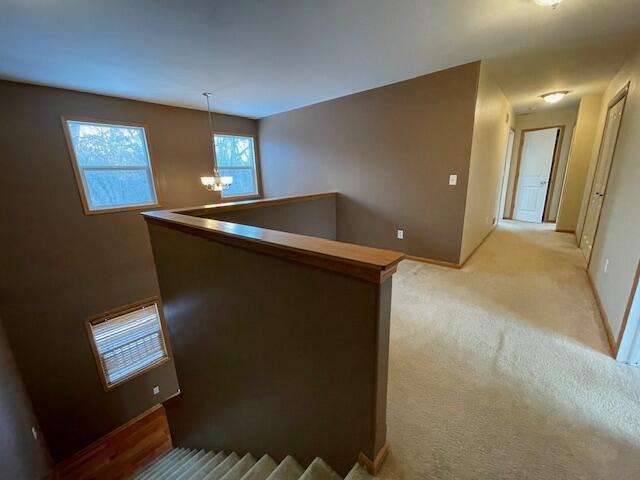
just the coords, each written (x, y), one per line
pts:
(160, 463)
(208, 467)
(261, 470)
(319, 470)
(358, 473)
(197, 465)
(226, 465)
(288, 469)
(168, 473)
(240, 468)
(190, 464)
(187, 465)
(164, 466)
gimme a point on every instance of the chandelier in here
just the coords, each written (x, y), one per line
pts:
(216, 182)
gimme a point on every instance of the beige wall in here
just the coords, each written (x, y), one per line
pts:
(618, 236)
(580, 156)
(389, 152)
(547, 118)
(493, 116)
(60, 266)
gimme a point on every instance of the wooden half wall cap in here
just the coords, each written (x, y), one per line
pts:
(374, 466)
(371, 264)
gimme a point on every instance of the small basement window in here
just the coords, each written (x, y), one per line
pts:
(236, 157)
(128, 342)
(112, 165)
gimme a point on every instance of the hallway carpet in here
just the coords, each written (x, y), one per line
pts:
(501, 370)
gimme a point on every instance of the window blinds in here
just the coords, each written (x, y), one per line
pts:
(129, 343)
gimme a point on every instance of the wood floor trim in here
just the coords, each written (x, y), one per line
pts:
(431, 261)
(443, 263)
(374, 466)
(464, 262)
(613, 346)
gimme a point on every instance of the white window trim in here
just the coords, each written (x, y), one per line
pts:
(79, 171)
(255, 168)
(119, 312)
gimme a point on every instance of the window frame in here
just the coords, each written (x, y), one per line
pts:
(78, 173)
(116, 312)
(256, 160)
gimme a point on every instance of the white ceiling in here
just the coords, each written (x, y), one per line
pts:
(260, 57)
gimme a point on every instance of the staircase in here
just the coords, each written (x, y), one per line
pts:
(188, 464)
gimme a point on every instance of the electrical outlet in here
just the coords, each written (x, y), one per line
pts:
(156, 390)
(34, 432)
(606, 265)
(453, 179)
(400, 234)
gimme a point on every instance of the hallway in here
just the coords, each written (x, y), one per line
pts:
(502, 370)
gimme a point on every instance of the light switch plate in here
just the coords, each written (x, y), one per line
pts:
(156, 390)
(400, 234)
(453, 179)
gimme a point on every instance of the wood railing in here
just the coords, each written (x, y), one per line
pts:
(372, 264)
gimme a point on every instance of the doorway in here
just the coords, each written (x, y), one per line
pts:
(538, 155)
(505, 174)
(601, 176)
(629, 340)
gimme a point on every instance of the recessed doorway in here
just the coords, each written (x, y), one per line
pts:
(535, 172)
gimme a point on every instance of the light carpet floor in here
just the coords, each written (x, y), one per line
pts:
(501, 370)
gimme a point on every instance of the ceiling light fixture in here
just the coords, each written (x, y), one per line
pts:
(554, 97)
(548, 3)
(216, 182)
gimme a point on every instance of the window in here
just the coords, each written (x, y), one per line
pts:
(236, 157)
(112, 165)
(128, 342)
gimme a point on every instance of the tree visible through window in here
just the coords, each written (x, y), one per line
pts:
(113, 165)
(235, 157)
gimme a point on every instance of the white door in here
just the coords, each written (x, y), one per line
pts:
(538, 150)
(505, 175)
(598, 190)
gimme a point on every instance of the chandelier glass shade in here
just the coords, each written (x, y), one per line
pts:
(216, 182)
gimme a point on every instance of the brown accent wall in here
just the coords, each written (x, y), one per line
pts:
(121, 453)
(389, 152)
(316, 217)
(60, 267)
(21, 455)
(273, 356)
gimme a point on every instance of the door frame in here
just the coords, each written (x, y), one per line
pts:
(553, 171)
(620, 96)
(504, 183)
(627, 314)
